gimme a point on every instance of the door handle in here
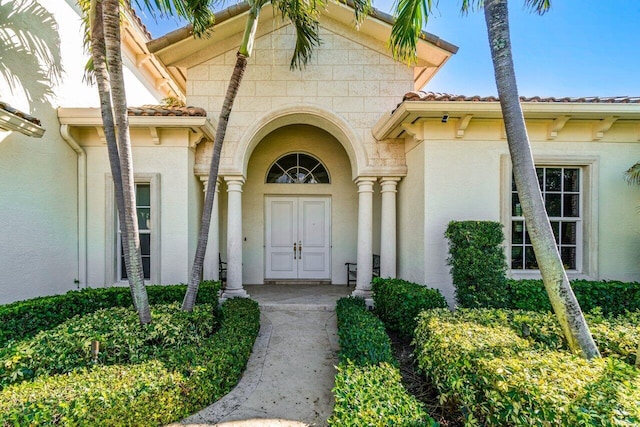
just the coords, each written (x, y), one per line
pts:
(294, 250)
(299, 250)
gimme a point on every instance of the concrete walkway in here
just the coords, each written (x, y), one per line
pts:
(291, 371)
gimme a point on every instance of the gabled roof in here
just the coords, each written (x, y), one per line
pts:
(180, 49)
(12, 119)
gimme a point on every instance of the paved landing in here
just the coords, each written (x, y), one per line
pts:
(291, 371)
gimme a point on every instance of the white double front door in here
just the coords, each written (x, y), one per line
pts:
(298, 237)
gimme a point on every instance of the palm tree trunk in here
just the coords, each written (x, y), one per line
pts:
(244, 52)
(99, 56)
(135, 271)
(555, 279)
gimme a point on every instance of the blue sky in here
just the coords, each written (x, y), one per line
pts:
(579, 48)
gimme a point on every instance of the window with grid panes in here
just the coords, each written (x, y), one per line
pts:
(143, 206)
(561, 189)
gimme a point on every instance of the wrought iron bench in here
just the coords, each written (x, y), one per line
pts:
(352, 269)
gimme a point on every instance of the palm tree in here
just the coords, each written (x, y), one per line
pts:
(304, 17)
(632, 175)
(30, 58)
(411, 14)
(106, 60)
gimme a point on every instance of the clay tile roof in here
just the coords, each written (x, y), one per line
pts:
(161, 110)
(6, 107)
(444, 97)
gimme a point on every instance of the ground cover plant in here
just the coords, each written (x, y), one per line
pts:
(145, 375)
(23, 319)
(503, 367)
(368, 390)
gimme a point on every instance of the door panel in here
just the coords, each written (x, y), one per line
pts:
(297, 237)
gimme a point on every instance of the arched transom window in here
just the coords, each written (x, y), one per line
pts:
(298, 168)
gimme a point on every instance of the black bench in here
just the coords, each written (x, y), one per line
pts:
(222, 271)
(352, 269)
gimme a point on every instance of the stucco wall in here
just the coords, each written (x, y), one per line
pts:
(411, 217)
(342, 190)
(180, 195)
(350, 75)
(465, 179)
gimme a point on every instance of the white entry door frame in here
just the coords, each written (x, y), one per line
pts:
(298, 237)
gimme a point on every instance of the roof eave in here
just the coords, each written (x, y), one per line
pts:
(390, 125)
(14, 123)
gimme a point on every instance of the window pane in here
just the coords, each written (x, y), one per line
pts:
(571, 205)
(297, 168)
(540, 173)
(553, 204)
(530, 262)
(517, 232)
(516, 209)
(516, 257)
(145, 244)
(568, 255)
(144, 218)
(571, 180)
(146, 267)
(143, 194)
(569, 230)
(553, 179)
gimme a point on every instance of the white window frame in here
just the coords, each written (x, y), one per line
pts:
(112, 250)
(587, 250)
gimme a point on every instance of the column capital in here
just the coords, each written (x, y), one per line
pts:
(365, 184)
(204, 179)
(234, 183)
(389, 183)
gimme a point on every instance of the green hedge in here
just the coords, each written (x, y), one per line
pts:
(483, 367)
(368, 390)
(373, 396)
(399, 302)
(156, 392)
(612, 297)
(362, 336)
(477, 263)
(23, 319)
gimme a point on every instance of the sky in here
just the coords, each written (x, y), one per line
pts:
(578, 48)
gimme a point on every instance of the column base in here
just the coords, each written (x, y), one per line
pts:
(367, 295)
(233, 293)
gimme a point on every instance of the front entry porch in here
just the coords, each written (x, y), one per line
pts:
(297, 296)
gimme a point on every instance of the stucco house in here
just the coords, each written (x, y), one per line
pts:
(321, 166)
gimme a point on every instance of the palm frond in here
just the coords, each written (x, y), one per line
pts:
(361, 9)
(538, 6)
(198, 13)
(410, 17)
(304, 16)
(632, 175)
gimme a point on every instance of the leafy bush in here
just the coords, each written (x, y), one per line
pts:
(362, 337)
(179, 381)
(24, 319)
(374, 396)
(399, 302)
(481, 365)
(477, 263)
(368, 388)
(122, 340)
(612, 297)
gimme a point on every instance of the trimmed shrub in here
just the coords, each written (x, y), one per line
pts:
(24, 319)
(123, 340)
(477, 263)
(368, 390)
(612, 297)
(362, 336)
(498, 378)
(182, 380)
(374, 396)
(399, 302)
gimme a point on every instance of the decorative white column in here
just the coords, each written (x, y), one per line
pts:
(389, 189)
(234, 238)
(365, 238)
(211, 258)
